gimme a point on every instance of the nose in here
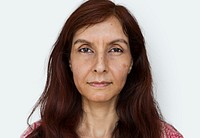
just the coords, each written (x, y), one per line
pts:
(100, 64)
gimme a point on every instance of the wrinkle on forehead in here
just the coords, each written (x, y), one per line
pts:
(107, 23)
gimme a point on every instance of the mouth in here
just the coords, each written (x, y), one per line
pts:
(100, 84)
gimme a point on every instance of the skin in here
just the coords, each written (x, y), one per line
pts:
(100, 61)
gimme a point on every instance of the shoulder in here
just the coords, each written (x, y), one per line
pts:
(30, 129)
(168, 131)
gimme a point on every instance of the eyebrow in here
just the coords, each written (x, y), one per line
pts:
(112, 42)
(82, 41)
(119, 40)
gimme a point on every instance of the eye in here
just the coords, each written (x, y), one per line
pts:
(85, 50)
(116, 50)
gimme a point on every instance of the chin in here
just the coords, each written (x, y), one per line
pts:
(101, 98)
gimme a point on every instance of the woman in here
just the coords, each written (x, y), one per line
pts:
(99, 82)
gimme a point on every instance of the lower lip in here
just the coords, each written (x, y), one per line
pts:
(100, 85)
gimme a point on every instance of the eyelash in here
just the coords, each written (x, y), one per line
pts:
(85, 50)
(112, 50)
(117, 50)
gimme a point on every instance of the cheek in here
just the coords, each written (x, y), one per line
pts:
(125, 66)
(123, 71)
(120, 72)
(78, 76)
(80, 70)
(121, 68)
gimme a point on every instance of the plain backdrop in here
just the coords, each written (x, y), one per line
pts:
(29, 28)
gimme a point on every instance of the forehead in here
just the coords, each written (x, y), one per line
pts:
(110, 28)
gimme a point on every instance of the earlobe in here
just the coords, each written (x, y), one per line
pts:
(70, 65)
(130, 67)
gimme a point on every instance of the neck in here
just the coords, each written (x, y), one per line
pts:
(99, 119)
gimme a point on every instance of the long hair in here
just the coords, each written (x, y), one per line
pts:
(60, 104)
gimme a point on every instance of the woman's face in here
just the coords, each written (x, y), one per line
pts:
(100, 60)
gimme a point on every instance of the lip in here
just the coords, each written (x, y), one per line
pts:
(99, 84)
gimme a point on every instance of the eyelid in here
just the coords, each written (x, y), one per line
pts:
(85, 47)
(116, 50)
(116, 46)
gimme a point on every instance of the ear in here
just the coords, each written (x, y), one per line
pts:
(70, 65)
(130, 68)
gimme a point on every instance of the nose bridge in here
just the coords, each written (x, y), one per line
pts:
(101, 62)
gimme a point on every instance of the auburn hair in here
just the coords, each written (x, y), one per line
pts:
(61, 105)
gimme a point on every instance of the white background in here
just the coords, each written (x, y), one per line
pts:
(29, 28)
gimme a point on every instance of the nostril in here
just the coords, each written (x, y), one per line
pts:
(100, 64)
(99, 71)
